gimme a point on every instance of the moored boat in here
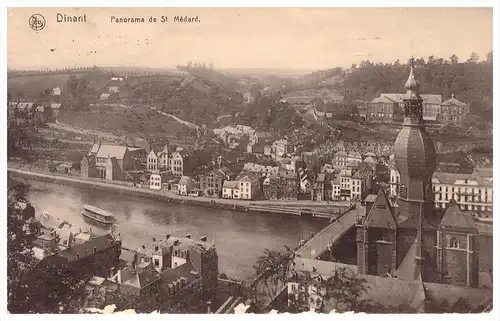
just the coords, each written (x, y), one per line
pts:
(98, 217)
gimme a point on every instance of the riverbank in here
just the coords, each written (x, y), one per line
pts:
(294, 208)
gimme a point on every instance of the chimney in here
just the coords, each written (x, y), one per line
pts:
(188, 236)
(154, 240)
(143, 247)
(203, 238)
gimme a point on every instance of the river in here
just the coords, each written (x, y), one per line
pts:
(240, 237)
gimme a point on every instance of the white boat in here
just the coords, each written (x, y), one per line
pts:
(97, 216)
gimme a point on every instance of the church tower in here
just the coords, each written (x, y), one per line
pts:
(414, 154)
(415, 158)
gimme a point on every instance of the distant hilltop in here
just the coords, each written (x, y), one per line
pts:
(118, 71)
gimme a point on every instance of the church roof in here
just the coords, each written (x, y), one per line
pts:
(453, 101)
(113, 151)
(407, 269)
(380, 214)
(454, 219)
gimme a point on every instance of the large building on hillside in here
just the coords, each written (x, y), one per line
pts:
(111, 162)
(452, 110)
(413, 241)
(389, 107)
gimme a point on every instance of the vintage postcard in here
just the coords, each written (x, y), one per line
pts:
(249, 160)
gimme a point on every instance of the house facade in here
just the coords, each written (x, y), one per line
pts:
(453, 110)
(110, 162)
(186, 185)
(283, 185)
(212, 183)
(231, 189)
(249, 185)
(471, 192)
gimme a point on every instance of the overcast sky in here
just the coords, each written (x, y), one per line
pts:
(289, 38)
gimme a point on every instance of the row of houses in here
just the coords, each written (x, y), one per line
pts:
(168, 267)
(388, 108)
(471, 192)
(24, 111)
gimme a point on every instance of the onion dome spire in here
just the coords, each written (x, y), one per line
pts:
(412, 86)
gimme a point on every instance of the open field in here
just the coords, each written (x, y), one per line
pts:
(33, 85)
(122, 122)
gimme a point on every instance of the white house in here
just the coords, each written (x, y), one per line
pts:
(345, 183)
(249, 185)
(56, 107)
(472, 192)
(177, 163)
(155, 181)
(56, 91)
(158, 160)
(335, 188)
(340, 159)
(354, 157)
(104, 96)
(230, 189)
(394, 181)
(186, 185)
(152, 162)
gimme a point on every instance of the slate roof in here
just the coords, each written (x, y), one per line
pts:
(380, 214)
(86, 249)
(185, 180)
(456, 220)
(186, 271)
(143, 278)
(230, 184)
(407, 269)
(104, 151)
(428, 98)
(371, 198)
(369, 160)
(453, 101)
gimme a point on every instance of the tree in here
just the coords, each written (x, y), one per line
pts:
(342, 290)
(33, 288)
(489, 57)
(48, 116)
(474, 58)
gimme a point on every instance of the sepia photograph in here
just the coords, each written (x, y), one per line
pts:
(232, 160)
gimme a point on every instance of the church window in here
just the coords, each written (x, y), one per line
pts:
(454, 243)
(403, 191)
(157, 262)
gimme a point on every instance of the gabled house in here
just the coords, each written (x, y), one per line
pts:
(318, 190)
(180, 162)
(283, 185)
(335, 188)
(186, 185)
(110, 162)
(231, 189)
(172, 265)
(212, 183)
(249, 185)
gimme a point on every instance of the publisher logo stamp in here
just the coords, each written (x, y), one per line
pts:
(37, 22)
